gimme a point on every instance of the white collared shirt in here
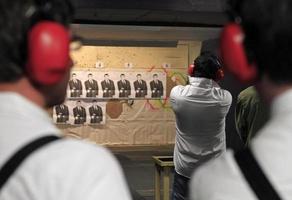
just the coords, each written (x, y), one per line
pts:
(222, 179)
(200, 109)
(67, 169)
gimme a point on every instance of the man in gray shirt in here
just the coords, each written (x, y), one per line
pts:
(200, 109)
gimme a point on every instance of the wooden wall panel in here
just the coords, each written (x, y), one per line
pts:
(146, 122)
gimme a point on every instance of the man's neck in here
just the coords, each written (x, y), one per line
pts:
(269, 90)
(24, 88)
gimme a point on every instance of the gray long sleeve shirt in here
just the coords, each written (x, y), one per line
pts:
(200, 109)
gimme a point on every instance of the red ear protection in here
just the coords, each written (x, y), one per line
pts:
(233, 53)
(219, 75)
(48, 52)
(191, 69)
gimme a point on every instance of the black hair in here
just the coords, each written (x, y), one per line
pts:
(122, 75)
(267, 25)
(16, 19)
(90, 74)
(73, 74)
(206, 66)
(155, 75)
(105, 75)
(138, 75)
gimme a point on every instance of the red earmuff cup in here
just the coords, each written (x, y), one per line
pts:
(220, 75)
(233, 53)
(191, 69)
(48, 52)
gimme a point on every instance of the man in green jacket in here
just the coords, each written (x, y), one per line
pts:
(251, 114)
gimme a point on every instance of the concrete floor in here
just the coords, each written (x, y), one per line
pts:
(139, 167)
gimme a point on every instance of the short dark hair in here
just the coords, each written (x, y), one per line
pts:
(155, 75)
(206, 66)
(105, 75)
(122, 75)
(15, 23)
(267, 25)
(90, 74)
(73, 74)
(138, 75)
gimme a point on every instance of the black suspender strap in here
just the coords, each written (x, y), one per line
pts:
(15, 161)
(255, 176)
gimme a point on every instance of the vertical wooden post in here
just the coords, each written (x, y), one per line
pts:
(166, 183)
(157, 182)
(163, 164)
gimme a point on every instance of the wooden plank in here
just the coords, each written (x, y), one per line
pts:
(159, 160)
(157, 182)
(166, 183)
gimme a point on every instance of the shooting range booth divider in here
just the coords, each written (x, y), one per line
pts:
(163, 165)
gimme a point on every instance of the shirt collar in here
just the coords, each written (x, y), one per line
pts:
(282, 104)
(203, 82)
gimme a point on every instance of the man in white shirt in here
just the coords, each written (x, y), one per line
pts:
(264, 33)
(200, 109)
(35, 68)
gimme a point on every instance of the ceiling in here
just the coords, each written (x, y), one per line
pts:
(188, 13)
(148, 22)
